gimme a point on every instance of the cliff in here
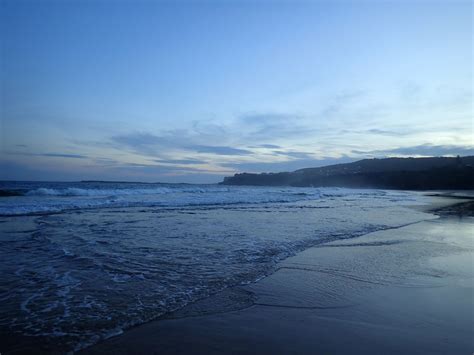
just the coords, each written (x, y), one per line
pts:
(389, 173)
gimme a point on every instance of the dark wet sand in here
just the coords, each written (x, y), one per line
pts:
(406, 290)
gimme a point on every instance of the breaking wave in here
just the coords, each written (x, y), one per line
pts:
(54, 199)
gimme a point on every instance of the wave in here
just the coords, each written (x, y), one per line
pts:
(75, 191)
(110, 203)
(46, 200)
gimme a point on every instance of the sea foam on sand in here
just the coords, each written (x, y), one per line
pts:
(406, 290)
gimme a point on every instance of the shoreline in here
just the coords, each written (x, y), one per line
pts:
(236, 310)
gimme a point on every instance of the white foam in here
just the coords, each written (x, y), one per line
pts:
(74, 191)
(48, 200)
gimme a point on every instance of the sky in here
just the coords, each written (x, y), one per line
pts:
(191, 91)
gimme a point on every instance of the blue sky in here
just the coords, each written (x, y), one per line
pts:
(191, 91)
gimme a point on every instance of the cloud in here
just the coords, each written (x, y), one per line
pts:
(293, 154)
(386, 132)
(137, 139)
(158, 169)
(161, 173)
(50, 155)
(12, 170)
(220, 150)
(62, 155)
(234, 138)
(370, 133)
(268, 146)
(180, 161)
(267, 119)
(142, 143)
(257, 167)
(271, 126)
(105, 162)
(155, 145)
(423, 150)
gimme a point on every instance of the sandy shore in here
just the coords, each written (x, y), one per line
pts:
(405, 290)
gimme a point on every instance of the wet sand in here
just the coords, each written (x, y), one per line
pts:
(404, 290)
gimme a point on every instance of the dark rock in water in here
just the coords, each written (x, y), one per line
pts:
(389, 173)
(6, 193)
(465, 209)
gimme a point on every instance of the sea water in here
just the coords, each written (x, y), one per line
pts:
(81, 262)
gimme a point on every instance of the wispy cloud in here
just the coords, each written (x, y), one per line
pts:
(258, 167)
(138, 139)
(63, 155)
(167, 173)
(220, 150)
(272, 126)
(423, 150)
(383, 132)
(155, 145)
(50, 155)
(161, 169)
(294, 154)
(267, 146)
(142, 143)
(180, 161)
(357, 123)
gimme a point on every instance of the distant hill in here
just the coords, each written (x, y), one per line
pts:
(388, 173)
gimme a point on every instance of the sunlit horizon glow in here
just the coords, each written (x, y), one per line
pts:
(193, 91)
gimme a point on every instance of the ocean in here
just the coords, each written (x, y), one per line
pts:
(81, 262)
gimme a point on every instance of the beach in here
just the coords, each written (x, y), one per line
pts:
(132, 268)
(402, 290)
(236, 177)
